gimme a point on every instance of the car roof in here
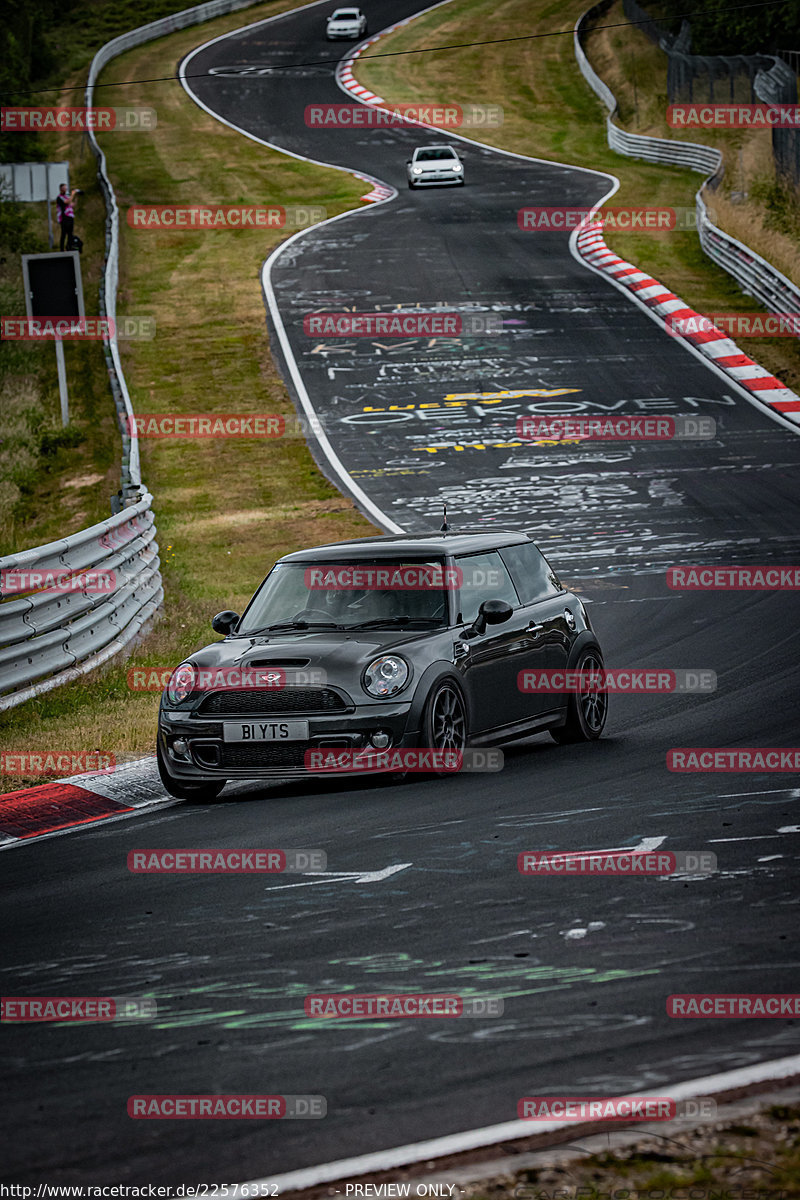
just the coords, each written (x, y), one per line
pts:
(414, 544)
(436, 146)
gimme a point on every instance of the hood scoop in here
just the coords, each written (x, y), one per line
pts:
(278, 662)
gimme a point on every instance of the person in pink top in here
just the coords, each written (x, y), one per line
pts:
(65, 213)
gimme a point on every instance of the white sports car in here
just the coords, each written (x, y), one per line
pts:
(346, 23)
(431, 165)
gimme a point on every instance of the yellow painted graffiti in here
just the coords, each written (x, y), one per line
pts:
(459, 399)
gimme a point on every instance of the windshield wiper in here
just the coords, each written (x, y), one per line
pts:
(292, 625)
(376, 621)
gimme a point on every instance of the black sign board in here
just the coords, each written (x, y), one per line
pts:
(53, 285)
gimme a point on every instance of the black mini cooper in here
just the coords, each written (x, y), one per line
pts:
(380, 643)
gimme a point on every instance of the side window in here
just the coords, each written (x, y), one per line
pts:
(483, 577)
(534, 577)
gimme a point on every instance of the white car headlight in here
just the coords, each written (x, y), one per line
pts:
(458, 167)
(386, 676)
(181, 682)
(416, 170)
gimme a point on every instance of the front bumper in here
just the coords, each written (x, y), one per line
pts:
(435, 179)
(344, 34)
(210, 758)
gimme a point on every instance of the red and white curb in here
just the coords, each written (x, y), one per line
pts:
(712, 343)
(348, 83)
(51, 809)
(346, 79)
(379, 192)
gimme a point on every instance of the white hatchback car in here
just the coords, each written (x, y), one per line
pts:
(431, 165)
(346, 23)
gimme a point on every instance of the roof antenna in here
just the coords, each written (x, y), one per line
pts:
(445, 528)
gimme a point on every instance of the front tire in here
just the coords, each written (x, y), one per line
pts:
(444, 722)
(586, 710)
(202, 792)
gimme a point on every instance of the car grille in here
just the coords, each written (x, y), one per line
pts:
(267, 701)
(264, 755)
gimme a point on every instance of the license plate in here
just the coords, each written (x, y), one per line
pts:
(265, 731)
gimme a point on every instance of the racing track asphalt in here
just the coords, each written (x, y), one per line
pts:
(584, 965)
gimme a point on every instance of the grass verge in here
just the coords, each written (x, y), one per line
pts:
(225, 508)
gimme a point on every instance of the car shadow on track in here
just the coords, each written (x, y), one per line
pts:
(530, 754)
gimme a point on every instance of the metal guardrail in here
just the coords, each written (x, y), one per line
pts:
(636, 145)
(50, 637)
(753, 273)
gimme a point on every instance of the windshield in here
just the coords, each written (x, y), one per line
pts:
(349, 595)
(437, 152)
(345, 14)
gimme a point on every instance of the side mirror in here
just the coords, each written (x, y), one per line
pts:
(491, 612)
(408, 162)
(224, 622)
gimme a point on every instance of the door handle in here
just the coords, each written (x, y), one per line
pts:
(535, 628)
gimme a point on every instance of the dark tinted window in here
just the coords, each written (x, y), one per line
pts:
(483, 577)
(350, 593)
(435, 154)
(534, 577)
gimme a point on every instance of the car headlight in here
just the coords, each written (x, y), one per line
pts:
(386, 676)
(458, 167)
(416, 170)
(181, 682)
